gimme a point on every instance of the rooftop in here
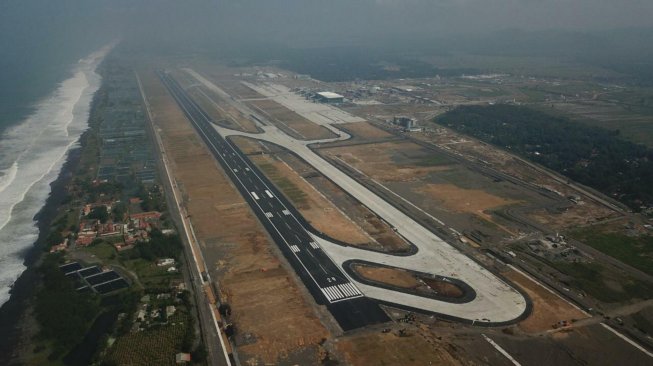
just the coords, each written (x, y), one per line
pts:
(329, 95)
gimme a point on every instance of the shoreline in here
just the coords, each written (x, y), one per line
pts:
(14, 311)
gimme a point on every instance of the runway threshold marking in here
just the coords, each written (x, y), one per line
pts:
(341, 292)
(332, 293)
(314, 245)
(294, 248)
(349, 289)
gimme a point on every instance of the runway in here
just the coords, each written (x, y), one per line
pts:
(319, 261)
(325, 280)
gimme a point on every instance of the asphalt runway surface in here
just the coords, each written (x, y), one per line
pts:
(324, 279)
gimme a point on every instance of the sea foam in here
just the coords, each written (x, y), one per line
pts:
(31, 156)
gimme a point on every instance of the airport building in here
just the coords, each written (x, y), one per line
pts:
(329, 97)
(409, 124)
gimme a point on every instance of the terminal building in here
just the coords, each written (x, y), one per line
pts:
(329, 97)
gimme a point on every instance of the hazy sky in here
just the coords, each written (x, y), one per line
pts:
(316, 20)
(445, 16)
(48, 23)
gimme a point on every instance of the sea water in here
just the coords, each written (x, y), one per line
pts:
(32, 153)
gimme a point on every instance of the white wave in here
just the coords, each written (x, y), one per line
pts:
(32, 154)
(8, 176)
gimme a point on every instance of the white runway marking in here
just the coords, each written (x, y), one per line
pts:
(269, 194)
(334, 293)
(340, 292)
(353, 288)
(254, 195)
(346, 290)
(501, 350)
(269, 214)
(294, 248)
(286, 212)
(314, 245)
(326, 294)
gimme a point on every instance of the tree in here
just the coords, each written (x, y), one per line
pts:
(118, 212)
(63, 313)
(99, 213)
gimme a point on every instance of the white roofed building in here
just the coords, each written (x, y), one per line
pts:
(329, 97)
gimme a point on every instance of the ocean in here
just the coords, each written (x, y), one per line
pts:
(32, 152)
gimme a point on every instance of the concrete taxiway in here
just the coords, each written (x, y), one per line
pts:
(319, 261)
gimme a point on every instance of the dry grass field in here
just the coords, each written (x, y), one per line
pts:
(463, 200)
(548, 308)
(289, 121)
(391, 276)
(365, 130)
(392, 349)
(377, 160)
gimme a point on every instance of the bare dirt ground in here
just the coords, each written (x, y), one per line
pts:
(264, 296)
(249, 146)
(376, 160)
(548, 308)
(317, 210)
(577, 215)
(365, 130)
(289, 121)
(463, 200)
(415, 348)
(443, 288)
(391, 276)
(586, 212)
(386, 239)
(404, 279)
(320, 201)
(433, 181)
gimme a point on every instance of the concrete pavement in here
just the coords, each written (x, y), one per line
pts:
(496, 301)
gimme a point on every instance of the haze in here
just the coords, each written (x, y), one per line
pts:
(300, 21)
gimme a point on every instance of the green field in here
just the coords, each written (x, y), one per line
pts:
(596, 157)
(596, 281)
(147, 274)
(634, 251)
(155, 346)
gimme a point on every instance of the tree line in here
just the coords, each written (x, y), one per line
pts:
(593, 156)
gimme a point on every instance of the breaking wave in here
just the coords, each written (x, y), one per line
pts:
(31, 156)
